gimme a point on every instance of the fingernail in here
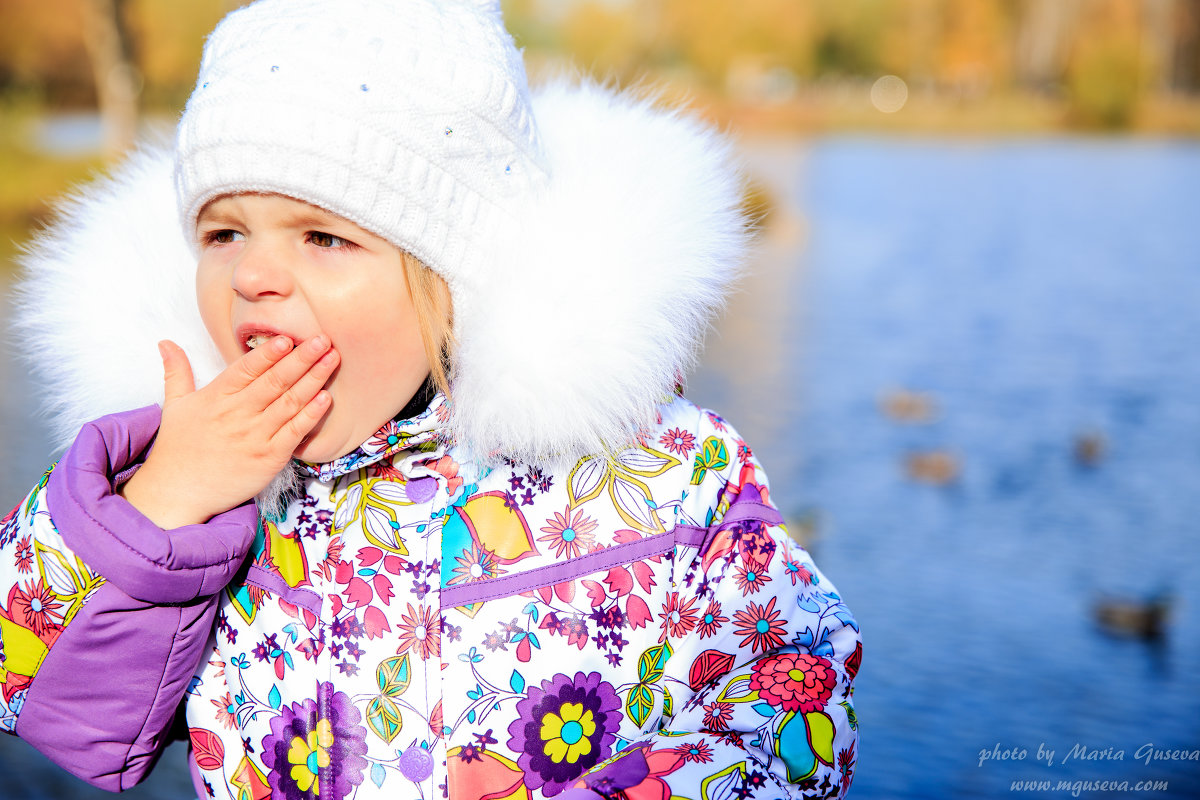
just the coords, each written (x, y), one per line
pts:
(320, 344)
(281, 344)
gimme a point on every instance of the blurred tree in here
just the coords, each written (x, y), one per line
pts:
(1100, 57)
(606, 39)
(974, 54)
(1172, 41)
(41, 44)
(917, 44)
(1160, 41)
(1185, 70)
(117, 81)
(527, 24)
(850, 35)
(1044, 30)
(1108, 69)
(748, 40)
(170, 39)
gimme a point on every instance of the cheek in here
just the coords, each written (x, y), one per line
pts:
(378, 323)
(213, 300)
(385, 347)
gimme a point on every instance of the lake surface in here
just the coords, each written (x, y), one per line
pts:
(1032, 293)
(1036, 292)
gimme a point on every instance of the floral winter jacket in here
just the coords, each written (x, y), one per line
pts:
(415, 626)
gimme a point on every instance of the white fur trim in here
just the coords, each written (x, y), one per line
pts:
(111, 278)
(602, 301)
(596, 303)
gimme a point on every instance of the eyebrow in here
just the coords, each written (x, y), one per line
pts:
(309, 219)
(298, 219)
(209, 217)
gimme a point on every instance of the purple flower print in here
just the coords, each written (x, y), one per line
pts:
(316, 753)
(563, 729)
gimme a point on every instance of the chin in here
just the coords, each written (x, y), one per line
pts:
(321, 446)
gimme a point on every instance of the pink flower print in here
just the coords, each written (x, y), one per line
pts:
(760, 625)
(226, 711)
(796, 570)
(751, 578)
(24, 555)
(678, 617)
(678, 441)
(794, 681)
(569, 534)
(712, 620)
(717, 715)
(475, 564)
(389, 436)
(699, 752)
(35, 607)
(420, 631)
(447, 467)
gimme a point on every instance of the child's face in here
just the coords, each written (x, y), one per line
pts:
(273, 265)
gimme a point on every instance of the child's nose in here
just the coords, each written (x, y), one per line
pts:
(261, 272)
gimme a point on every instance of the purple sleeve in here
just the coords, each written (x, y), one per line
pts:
(131, 607)
(113, 537)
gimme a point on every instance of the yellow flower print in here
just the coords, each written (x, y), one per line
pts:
(566, 736)
(308, 757)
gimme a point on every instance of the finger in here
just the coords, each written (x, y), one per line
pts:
(177, 371)
(256, 363)
(302, 391)
(284, 373)
(300, 425)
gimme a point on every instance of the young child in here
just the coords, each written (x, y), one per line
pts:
(441, 320)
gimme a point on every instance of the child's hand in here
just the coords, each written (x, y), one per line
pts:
(221, 445)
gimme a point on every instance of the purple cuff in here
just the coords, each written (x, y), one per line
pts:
(118, 541)
(102, 703)
(580, 794)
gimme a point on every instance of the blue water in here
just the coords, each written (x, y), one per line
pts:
(1035, 290)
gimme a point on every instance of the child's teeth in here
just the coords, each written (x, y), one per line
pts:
(257, 339)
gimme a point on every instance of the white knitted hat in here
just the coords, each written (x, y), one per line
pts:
(409, 117)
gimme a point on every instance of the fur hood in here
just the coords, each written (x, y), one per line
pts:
(596, 306)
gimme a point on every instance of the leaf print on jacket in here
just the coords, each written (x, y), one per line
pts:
(623, 478)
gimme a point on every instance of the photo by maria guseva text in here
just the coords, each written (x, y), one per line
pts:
(1145, 753)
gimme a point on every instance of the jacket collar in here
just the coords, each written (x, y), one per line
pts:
(402, 433)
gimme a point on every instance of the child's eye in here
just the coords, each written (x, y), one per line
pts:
(221, 237)
(322, 239)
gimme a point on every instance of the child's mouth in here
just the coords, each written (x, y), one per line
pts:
(257, 339)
